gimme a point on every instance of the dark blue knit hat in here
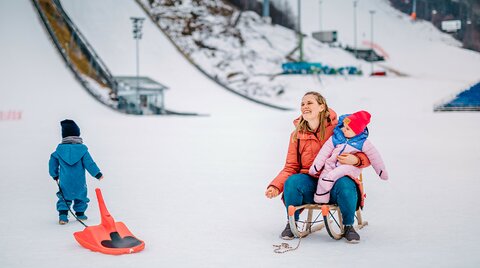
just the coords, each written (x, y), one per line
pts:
(69, 128)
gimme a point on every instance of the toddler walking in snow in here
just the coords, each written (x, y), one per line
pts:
(67, 166)
(349, 136)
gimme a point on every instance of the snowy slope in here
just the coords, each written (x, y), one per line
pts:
(192, 188)
(108, 28)
(404, 41)
(246, 58)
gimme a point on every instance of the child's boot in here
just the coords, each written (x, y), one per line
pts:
(63, 218)
(81, 216)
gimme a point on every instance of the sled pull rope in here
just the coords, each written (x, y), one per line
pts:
(285, 247)
(64, 200)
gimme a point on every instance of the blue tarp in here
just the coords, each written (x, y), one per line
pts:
(317, 68)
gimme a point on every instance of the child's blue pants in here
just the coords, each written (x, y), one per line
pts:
(79, 205)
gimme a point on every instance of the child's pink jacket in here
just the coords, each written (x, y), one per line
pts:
(333, 170)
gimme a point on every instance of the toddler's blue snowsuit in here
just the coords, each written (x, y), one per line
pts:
(68, 163)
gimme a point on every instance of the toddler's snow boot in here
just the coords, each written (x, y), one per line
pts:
(81, 216)
(287, 233)
(351, 235)
(63, 219)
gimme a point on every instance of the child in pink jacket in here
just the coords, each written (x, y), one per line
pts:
(349, 136)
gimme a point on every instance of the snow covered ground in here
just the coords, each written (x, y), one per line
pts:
(192, 187)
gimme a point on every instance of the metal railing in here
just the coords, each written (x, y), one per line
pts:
(99, 66)
(100, 69)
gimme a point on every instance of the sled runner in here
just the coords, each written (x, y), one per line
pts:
(327, 216)
(109, 237)
(331, 220)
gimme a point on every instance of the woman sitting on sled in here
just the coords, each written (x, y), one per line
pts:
(313, 128)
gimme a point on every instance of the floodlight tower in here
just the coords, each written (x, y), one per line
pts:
(355, 26)
(300, 36)
(320, 15)
(372, 12)
(137, 35)
(266, 8)
(414, 10)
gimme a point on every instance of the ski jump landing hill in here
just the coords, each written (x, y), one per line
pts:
(92, 73)
(189, 89)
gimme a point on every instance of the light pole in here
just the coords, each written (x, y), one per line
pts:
(320, 15)
(300, 36)
(355, 26)
(266, 8)
(137, 35)
(372, 12)
(414, 10)
(434, 12)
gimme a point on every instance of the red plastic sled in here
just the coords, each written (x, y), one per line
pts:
(109, 237)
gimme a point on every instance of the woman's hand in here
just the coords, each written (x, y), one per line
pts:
(348, 159)
(271, 192)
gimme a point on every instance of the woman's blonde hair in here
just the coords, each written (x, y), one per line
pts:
(324, 118)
